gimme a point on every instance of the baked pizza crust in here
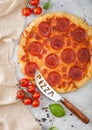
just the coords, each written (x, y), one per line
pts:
(78, 21)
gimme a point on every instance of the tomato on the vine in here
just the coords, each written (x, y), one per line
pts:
(24, 82)
(35, 103)
(26, 11)
(31, 88)
(27, 101)
(34, 2)
(23, 94)
(36, 95)
(37, 10)
(20, 94)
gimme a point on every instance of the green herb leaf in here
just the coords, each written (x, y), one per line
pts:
(46, 5)
(53, 128)
(57, 110)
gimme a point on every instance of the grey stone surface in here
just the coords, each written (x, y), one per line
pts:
(82, 98)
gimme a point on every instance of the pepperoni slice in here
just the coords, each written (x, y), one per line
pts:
(63, 24)
(79, 34)
(30, 69)
(63, 69)
(35, 48)
(52, 61)
(25, 58)
(84, 67)
(45, 71)
(84, 55)
(75, 73)
(31, 35)
(44, 29)
(68, 56)
(56, 42)
(53, 78)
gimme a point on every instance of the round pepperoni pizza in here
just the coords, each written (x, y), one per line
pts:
(60, 46)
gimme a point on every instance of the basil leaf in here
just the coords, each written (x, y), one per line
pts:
(57, 110)
(53, 128)
(46, 5)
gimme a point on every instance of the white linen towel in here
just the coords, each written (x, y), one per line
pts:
(13, 114)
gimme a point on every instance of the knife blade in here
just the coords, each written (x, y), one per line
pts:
(49, 92)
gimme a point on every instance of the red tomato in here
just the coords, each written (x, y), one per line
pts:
(35, 103)
(24, 82)
(31, 88)
(34, 2)
(26, 11)
(37, 10)
(36, 95)
(27, 101)
(20, 94)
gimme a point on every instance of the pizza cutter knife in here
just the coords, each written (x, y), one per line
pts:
(48, 91)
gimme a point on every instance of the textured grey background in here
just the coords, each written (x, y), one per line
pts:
(81, 98)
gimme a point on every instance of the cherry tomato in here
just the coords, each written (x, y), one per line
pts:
(27, 101)
(37, 10)
(24, 82)
(34, 2)
(26, 11)
(20, 94)
(35, 103)
(31, 88)
(36, 95)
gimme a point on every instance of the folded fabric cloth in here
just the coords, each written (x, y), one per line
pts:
(13, 114)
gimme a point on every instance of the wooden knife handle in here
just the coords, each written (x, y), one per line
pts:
(75, 111)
